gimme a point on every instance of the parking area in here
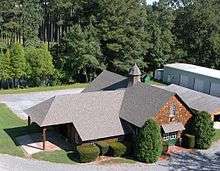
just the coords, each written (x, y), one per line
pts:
(19, 102)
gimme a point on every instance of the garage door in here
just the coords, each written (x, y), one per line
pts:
(215, 89)
(199, 85)
(184, 80)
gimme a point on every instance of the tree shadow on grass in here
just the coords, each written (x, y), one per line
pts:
(195, 161)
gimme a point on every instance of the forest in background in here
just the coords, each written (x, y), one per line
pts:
(47, 42)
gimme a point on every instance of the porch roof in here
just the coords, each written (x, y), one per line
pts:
(95, 114)
(173, 127)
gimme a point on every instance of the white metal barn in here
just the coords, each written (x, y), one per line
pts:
(198, 78)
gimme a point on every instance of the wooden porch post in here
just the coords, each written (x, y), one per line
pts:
(44, 137)
(29, 120)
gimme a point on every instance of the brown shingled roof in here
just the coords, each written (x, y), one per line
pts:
(95, 115)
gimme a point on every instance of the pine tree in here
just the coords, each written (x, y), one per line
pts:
(161, 18)
(31, 18)
(83, 51)
(148, 146)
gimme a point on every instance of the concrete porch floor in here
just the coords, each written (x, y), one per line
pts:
(32, 143)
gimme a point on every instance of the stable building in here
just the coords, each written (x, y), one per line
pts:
(112, 107)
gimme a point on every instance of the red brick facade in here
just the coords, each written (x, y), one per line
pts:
(182, 114)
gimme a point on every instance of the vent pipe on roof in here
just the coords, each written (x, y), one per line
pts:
(134, 75)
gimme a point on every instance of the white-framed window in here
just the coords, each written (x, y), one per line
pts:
(173, 136)
(166, 137)
(169, 136)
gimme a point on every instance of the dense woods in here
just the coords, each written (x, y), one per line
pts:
(46, 42)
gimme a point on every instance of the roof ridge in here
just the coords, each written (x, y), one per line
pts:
(52, 100)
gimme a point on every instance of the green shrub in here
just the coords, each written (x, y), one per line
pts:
(189, 141)
(148, 145)
(117, 149)
(87, 153)
(202, 129)
(103, 146)
(165, 147)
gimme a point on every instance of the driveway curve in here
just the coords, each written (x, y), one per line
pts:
(10, 163)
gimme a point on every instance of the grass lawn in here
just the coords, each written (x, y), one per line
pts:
(10, 127)
(217, 135)
(58, 156)
(46, 88)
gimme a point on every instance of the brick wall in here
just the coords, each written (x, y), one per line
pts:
(183, 114)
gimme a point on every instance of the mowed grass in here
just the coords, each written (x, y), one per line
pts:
(11, 127)
(46, 88)
(58, 156)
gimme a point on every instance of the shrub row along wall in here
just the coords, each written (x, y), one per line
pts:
(89, 152)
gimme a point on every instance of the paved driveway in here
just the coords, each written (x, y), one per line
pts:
(201, 160)
(18, 102)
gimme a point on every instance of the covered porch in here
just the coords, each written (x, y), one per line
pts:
(53, 136)
(171, 132)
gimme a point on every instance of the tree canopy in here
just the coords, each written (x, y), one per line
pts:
(114, 34)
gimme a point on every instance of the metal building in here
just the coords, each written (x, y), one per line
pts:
(198, 78)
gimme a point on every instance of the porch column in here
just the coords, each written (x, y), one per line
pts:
(44, 137)
(29, 120)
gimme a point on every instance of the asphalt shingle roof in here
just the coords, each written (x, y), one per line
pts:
(107, 81)
(173, 127)
(142, 102)
(194, 99)
(95, 115)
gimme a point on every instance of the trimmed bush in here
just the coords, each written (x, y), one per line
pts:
(103, 146)
(189, 141)
(165, 147)
(148, 145)
(202, 129)
(87, 153)
(117, 149)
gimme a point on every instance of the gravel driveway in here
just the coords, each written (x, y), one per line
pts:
(207, 160)
(9, 163)
(18, 102)
(200, 160)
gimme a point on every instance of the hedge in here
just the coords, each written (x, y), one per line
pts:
(103, 146)
(165, 147)
(87, 153)
(117, 149)
(189, 141)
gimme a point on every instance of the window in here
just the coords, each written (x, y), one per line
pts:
(169, 136)
(172, 110)
(173, 136)
(166, 137)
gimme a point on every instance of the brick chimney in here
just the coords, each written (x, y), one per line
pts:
(134, 75)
